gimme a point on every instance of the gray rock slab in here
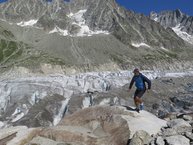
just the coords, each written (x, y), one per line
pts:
(160, 141)
(140, 138)
(177, 140)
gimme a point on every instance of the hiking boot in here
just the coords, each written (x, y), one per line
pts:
(141, 106)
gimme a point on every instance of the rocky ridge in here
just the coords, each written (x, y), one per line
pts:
(181, 23)
(106, 15)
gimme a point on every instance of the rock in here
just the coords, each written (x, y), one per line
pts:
(169, 132)
(144, 121)
(99, 125)
(160, 141)
(178, 123)
(140, 138)
(187, 117)
(170, 116)
(1, 124)
(191, 123)
(102, 125)
(177, 140)
(45, 141)
(17, 135)
(189, 136)
(152, 142)
(183, 101)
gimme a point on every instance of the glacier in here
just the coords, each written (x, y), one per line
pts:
(34, 88)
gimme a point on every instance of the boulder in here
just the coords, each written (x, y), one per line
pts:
(160, 141)
(180, 125)
(104, 125)
(45, 141)
(177, 140)
(189, 136)
(94, 125)
(17, 135)
(144, 121)
(140, 138)
(187, 117)
(169, 132)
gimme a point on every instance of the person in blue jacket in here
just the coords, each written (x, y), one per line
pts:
(140, 83)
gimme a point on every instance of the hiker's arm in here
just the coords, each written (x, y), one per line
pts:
(131, 83)
(147, 81)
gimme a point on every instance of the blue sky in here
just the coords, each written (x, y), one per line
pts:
(146, 6)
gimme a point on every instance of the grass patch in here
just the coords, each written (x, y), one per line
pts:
(7, 34)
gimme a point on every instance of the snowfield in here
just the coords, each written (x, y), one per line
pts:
(78, 20)
(185, 36)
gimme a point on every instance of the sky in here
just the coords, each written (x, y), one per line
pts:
(146, 6)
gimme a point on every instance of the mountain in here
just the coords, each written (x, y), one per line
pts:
(46, 44)
(89, 35)
(181, 23)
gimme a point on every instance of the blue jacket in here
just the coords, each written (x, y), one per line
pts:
(140, 82)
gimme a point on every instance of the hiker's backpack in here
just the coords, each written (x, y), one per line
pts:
(139, 83)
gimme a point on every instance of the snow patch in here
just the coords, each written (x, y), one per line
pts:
(105, 101)
(184, 35)
(154, 16)
(17, 111)
(1, 124)
(140, 45)
(179, 74)
(78, 19)
(27, 23)
(86, 102)
(164, 48)
(60, 115)
(155, 19)
(18, 116)
(59, 31)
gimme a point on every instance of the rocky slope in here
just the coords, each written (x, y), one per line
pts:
(181, 23)
(100, 125)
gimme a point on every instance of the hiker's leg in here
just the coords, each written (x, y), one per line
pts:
(140, 100)
(137, 104)
(141, 93)
(137, 101)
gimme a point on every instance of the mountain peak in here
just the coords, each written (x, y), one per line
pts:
(178, 21)
(178, 13)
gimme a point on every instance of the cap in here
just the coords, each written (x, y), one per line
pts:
(136, 70)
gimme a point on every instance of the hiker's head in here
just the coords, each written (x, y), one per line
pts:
(136, 71)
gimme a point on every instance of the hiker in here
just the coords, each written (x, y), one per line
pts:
(139, 80)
